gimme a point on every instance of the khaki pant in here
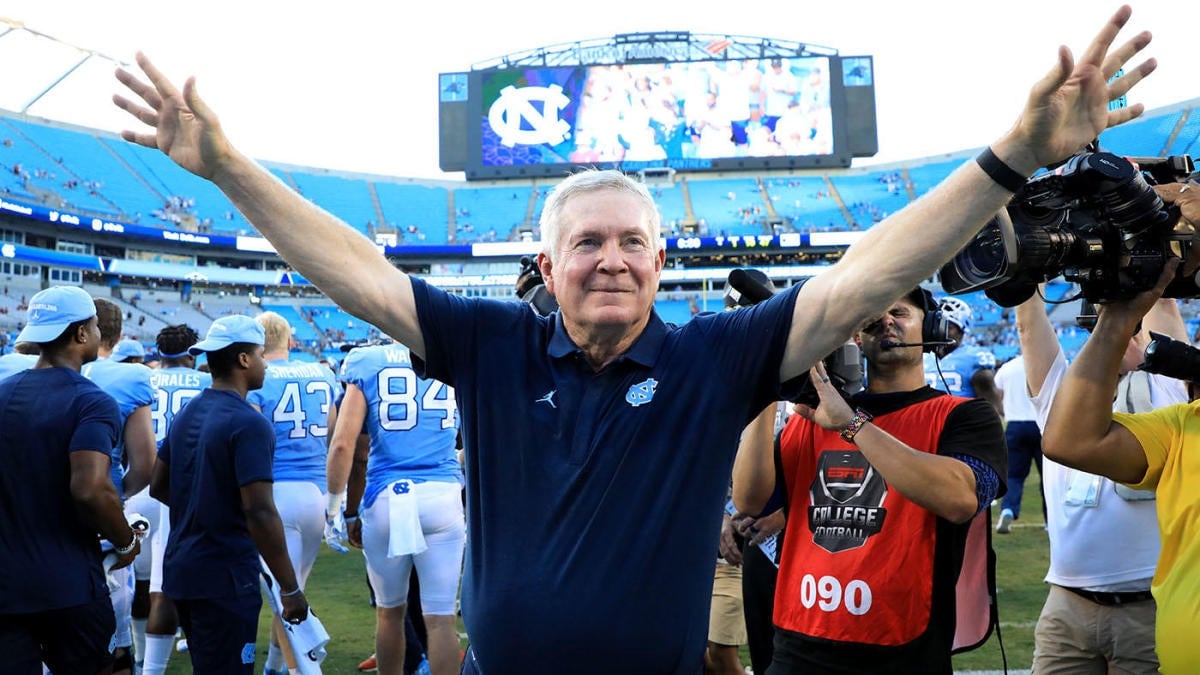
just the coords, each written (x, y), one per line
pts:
(726, 621)
(1076, 636)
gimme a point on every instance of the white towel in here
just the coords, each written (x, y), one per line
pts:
(404, 516)
(307, 638)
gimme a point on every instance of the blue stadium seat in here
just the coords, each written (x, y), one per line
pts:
(871, 197)
(302, 330)
(925, 176)
(1143, 137)
(210, 205)
(677, 312)
(346, 198)
(425, 208)
(730, 206)
(480, 211)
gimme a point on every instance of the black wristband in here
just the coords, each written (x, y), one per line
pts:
(1004, 175)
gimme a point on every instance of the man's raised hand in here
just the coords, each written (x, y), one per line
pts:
(183, 127)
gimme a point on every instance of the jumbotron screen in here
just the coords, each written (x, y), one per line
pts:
(694, 116)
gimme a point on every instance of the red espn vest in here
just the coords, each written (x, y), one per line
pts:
(857, 563)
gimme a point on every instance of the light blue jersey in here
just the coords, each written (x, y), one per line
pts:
(129, 384)
(14, 362)
(958, 367)
(412, 422)
(296, 398)
(173, 387)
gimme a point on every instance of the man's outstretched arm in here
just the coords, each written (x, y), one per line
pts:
(339, 260)
(1066, 110)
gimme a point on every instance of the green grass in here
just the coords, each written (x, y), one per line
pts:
(337, 590)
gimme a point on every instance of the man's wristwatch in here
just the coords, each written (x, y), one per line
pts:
(852, 427)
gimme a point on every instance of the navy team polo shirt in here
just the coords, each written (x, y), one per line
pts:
(594, 500)
(217, 443)
(49, 556)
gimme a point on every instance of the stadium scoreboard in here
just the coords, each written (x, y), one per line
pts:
(678, 102)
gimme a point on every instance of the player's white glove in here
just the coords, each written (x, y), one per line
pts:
(335, 523)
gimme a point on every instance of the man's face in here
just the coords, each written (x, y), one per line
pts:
(92, 346)
(900, 323)
(606, 268)
(256, 369)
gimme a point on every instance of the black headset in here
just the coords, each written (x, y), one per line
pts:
(935, 327)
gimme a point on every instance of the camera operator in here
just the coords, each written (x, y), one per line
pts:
(1092, 583)
(889, 482)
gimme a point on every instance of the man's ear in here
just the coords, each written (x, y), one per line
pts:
(547, 269)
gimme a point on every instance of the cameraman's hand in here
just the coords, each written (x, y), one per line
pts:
(1187, 197)
(833, 412)
(1128, 312)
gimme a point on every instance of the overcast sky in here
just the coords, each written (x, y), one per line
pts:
(352, 85)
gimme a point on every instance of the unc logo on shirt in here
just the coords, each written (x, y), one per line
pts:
(641, 393)
(248, 653)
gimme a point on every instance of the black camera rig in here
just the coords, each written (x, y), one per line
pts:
(1095, 220)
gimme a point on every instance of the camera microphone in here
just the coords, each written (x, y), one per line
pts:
(748, 288)
(892, 344)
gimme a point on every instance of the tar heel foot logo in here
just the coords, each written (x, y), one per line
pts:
(548, 398)
(516, 120)
(641, 393)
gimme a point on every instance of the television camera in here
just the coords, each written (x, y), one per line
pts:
(1095, 220)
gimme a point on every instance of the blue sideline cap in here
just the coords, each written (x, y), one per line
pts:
(52, 310)
(229, 330)
(128, 349)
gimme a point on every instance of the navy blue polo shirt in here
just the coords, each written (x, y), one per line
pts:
(51, 558)
(216, 444)
(594, 500)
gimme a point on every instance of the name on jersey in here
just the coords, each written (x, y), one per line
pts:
(298, 370)
(397, 356)
(166, 379)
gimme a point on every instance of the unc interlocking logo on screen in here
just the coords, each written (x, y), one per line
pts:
(516, 120)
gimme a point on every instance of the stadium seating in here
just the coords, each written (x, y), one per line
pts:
(346, 198)
(100, 174)
(1143, 137)
(482, 213)
(871, 197)
(303, 329)
(924, 176)
(210, 208)
(425, 209)
(729, 206)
